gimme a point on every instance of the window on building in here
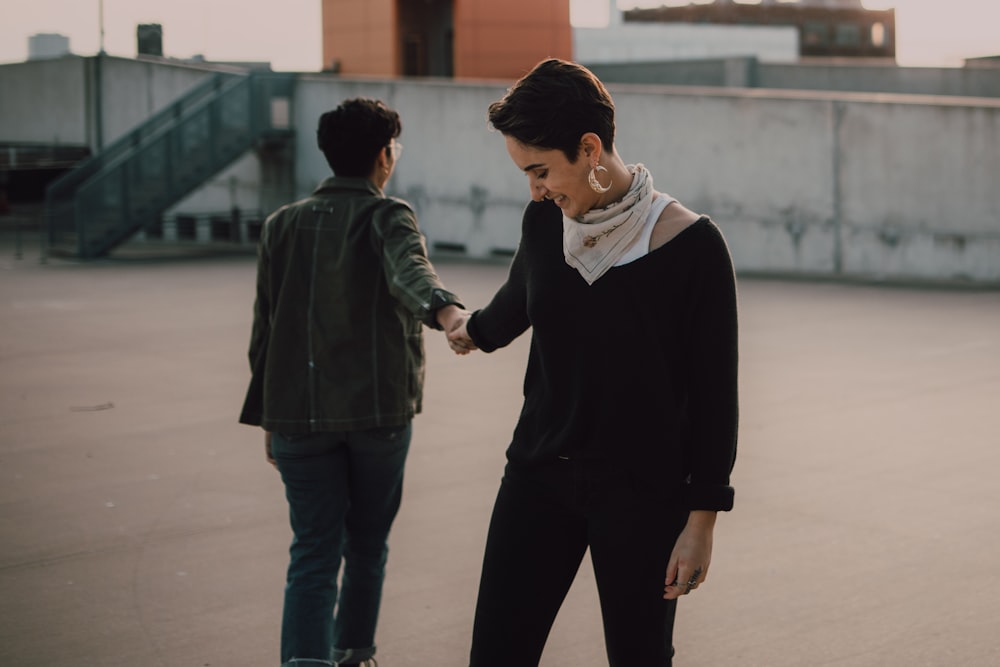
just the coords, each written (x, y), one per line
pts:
(814, 33)
(878, 34)
(414, 56)
(848, 34)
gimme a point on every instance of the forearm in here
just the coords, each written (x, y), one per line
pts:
(713, 362)
(702, 520)
(450, 316)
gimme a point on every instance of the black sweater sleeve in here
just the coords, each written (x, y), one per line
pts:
(506, 316)
(712, 375)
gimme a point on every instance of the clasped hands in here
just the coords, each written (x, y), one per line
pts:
(454, 320)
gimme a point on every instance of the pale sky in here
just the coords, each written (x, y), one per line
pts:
(287, 33)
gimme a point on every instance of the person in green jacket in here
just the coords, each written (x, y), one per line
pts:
(344, 287)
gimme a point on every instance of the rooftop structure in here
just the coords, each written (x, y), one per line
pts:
(827, 28)
(47, 45)
(446, 38)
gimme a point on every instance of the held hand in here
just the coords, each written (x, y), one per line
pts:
(692, 554)
(458, 338)
(452, 319)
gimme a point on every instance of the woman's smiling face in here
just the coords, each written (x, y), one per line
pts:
(552, 176)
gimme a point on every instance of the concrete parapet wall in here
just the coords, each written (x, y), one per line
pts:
(842, 185)
(752, 72)
(920, 188)
(958, 81)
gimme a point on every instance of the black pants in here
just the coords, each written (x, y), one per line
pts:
(544, 519)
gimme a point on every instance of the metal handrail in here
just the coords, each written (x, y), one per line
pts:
(110, 196)
(198, 96)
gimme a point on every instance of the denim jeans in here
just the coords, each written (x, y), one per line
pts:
(343, 492)
(544, 520)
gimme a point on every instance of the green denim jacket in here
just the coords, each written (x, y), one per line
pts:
(343, 285)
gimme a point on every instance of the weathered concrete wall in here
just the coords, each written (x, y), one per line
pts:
(920, 188)
(454, 170)
(842, 185)
(55, 101)
(44, 101)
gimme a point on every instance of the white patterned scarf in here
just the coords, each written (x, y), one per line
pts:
(596, 240)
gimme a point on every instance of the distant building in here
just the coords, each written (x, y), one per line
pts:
(827, 28)
(464, 39)
(149, 46)
(47, 45)
(639, 42)
(983, 62)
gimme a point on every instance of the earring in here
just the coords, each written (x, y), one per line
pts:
(595, 184)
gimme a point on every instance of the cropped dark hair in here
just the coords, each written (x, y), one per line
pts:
(554, 105)
(352, 135)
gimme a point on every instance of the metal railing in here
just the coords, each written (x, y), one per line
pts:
(129, 186)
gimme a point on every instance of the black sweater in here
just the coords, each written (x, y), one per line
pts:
(638, 369)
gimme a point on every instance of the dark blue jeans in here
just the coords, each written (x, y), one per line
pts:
(544, 520)
(343, 492)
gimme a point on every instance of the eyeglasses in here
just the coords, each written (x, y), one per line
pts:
(397, 149)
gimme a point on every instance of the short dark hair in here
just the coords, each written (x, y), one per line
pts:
(554, 105)
(352, 135)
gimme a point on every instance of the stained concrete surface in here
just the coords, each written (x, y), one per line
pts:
(140, 525)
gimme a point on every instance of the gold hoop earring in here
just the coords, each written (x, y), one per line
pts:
(595, 184)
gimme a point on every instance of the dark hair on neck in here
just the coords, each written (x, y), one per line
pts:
(554, 105)
(352, 135)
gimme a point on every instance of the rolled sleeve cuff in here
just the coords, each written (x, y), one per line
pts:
(484, 344)
(710, 497)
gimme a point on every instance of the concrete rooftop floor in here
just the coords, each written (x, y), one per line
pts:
(140, 524)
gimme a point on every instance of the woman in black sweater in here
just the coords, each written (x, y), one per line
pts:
(627, 435)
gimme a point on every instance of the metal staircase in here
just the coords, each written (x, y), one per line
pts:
(106, 199)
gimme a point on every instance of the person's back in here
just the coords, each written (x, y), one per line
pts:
(346, 347)
(343, 288)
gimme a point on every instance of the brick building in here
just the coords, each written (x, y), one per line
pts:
(466, 39)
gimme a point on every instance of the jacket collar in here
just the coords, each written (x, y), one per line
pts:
(342, 184)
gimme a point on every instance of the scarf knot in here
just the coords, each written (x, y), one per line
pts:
(596, 240)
